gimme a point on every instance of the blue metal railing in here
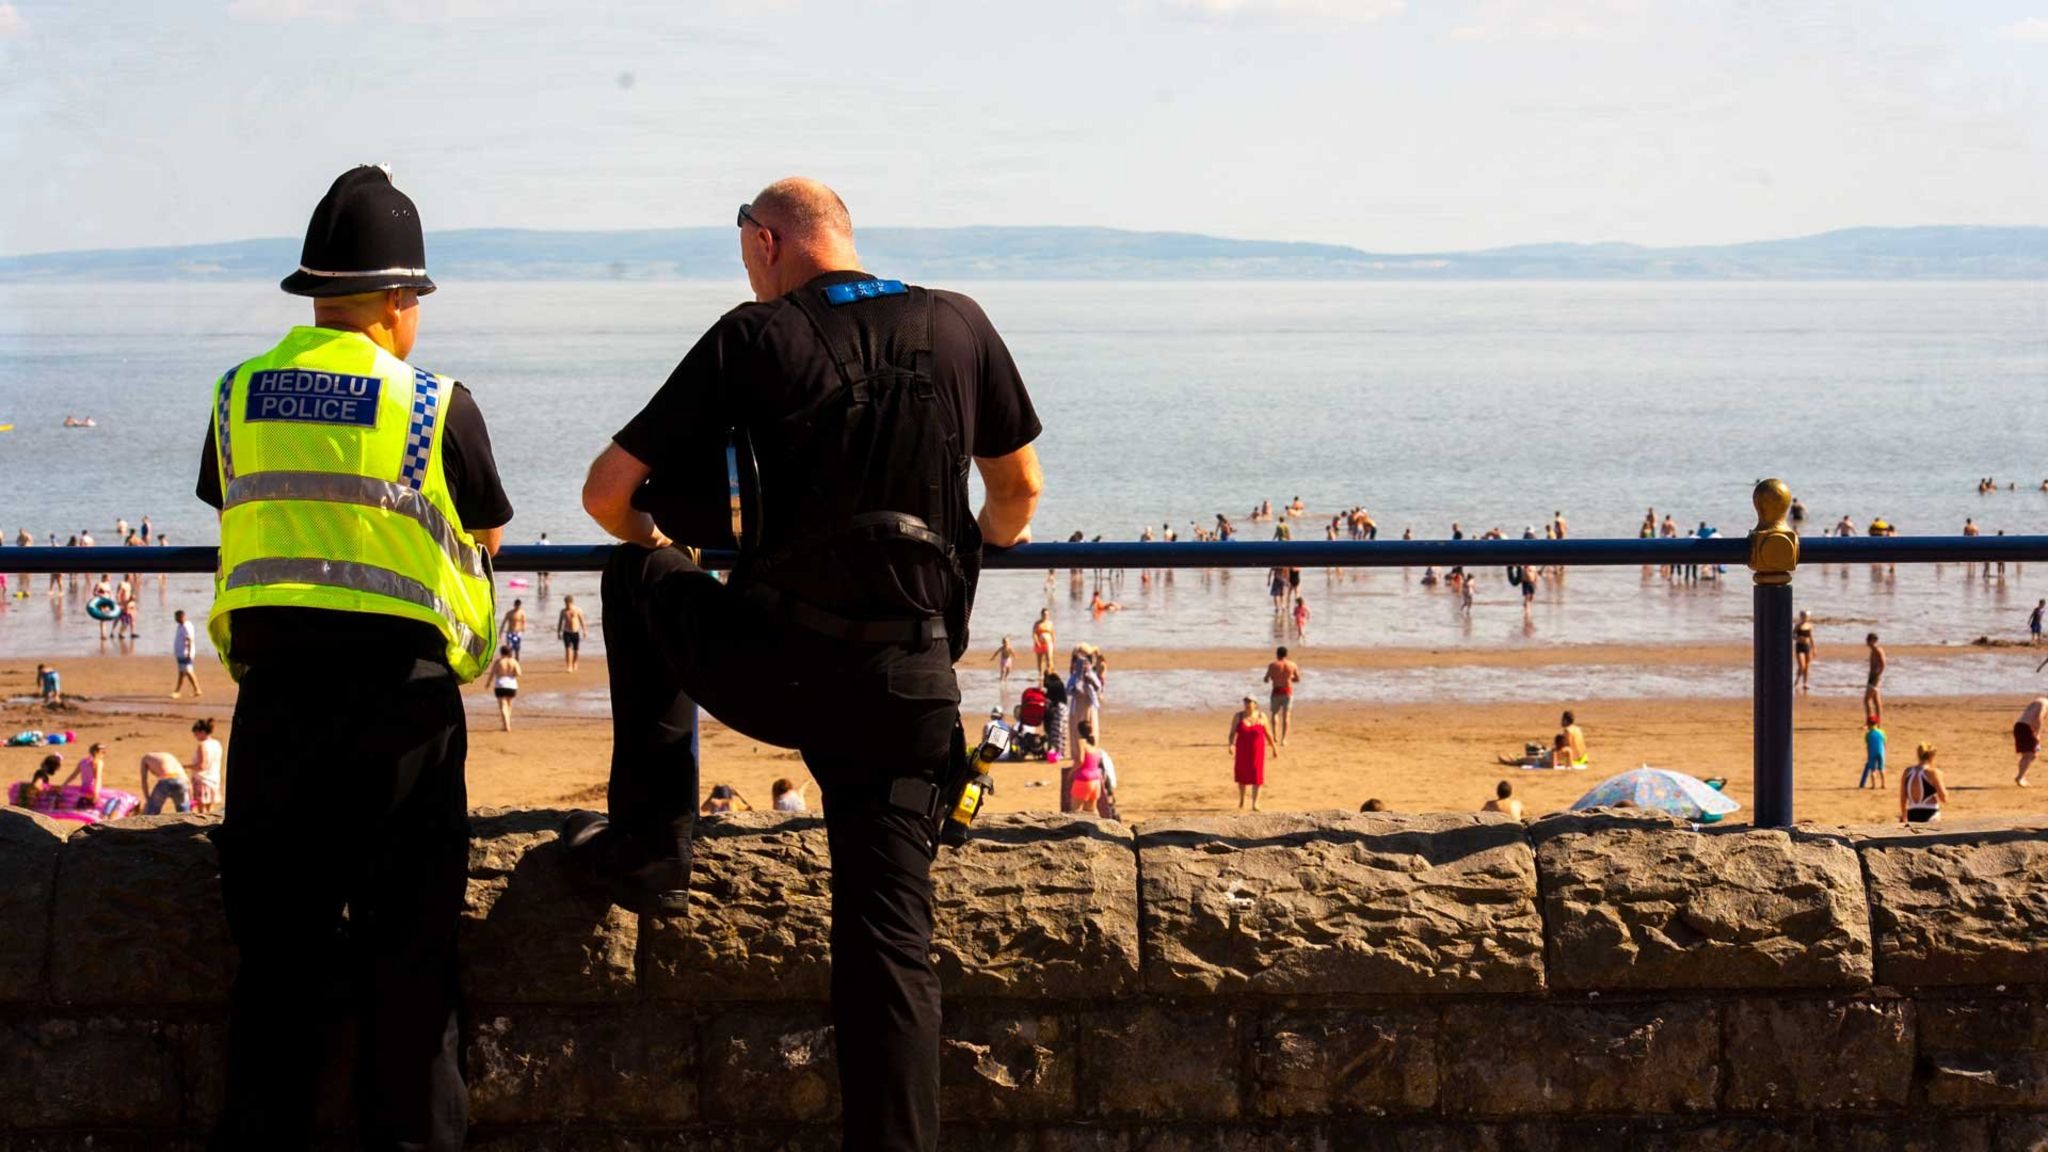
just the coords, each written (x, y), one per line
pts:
(1772, 796)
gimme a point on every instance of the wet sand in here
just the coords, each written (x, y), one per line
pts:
(1414, 757)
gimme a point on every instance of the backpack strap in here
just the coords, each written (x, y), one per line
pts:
(838, 335)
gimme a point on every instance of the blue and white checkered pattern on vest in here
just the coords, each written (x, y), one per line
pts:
(419, 438)
(224, 409)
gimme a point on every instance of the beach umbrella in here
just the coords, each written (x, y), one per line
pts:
(1686, 797)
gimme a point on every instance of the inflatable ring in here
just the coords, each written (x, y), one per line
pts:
(102, 608)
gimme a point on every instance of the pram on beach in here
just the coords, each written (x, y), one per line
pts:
(1029, 741)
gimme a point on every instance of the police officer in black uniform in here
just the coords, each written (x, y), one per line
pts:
(860, 403)
(345, 773)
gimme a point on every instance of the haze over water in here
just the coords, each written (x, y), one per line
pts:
(1485, 403)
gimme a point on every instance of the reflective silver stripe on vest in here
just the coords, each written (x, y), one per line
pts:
(339, 488)
(359, 578)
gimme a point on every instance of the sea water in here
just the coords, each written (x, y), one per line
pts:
(1486, 404)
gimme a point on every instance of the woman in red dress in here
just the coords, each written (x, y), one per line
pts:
(1250, 737)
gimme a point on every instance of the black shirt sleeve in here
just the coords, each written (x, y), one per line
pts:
(471, 469)
(208, 488)
(1003, 419)
(678, 419)
(466, 461)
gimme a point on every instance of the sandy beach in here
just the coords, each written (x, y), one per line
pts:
(1413, 757)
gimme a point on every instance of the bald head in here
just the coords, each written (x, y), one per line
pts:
(805, 211)
(804, 230)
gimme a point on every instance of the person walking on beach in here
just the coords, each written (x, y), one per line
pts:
(1300, 619)
(1276, 586)
(1873, 753)
(513, 629)
(569, 626)
(1004, 656)
(2026, 737)
(184, 646)
(1922, 791)
(1250, 740)
(350, 630)
(1283, 674)
(124, 604)
(504, 678)
(2034, 622)
(1873, 696)
(1802, 653)
(1041, 641)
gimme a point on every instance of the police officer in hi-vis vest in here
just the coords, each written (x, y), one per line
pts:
(359, 507)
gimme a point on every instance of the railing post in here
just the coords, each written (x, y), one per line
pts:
(1773, 554)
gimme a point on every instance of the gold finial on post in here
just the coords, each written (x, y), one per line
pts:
(1773, 546)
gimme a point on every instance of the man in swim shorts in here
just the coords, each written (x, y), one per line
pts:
(514, 627)
(2026, 736)
(1283, 674)
(184, 643)
(569, 626)
(1873, 698)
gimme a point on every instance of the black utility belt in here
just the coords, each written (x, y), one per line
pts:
(916, 634)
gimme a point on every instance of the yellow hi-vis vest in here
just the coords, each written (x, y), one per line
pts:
(334, 498)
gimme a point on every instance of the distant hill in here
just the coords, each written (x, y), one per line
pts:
(1108, 254)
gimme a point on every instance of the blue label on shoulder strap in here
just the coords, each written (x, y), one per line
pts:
(837, 294)
(305, 396)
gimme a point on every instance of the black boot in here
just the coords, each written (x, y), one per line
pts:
(606, 862)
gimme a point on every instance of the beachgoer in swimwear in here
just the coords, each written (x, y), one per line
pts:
(569, 626)
(1503, 800)
(1574, 741)
(1922, 791)
(1283, 674)
(88, 773)
(1004, 656)
(2026, 736)
(1041, 642)
(208, 760)
(1873, 753)
(504, 677)
(514, 627)
(786, 795)
(1802, 652)
(1873, 698)
(1300, 618)
(723, 798)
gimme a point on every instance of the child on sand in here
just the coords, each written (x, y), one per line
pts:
(1873, 753)
(1004, 657)
(1503, 800)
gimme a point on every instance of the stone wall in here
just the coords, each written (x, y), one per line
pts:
(1314, 981)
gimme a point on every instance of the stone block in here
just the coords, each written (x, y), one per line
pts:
(1806, 1055)
(760, 917)
(1038, 906)
(199, 1049)
(28, 888)
(769, 1067)
(528, 934)
(1990, 1053)
(1230, 1138)
(962, 1134)
(1000, 1068)
(1339, 903)
(1907, 1134)
(1958, 904)
(1160, 1063)
(1345, 1061)
(1536, 1058)
(140, 915)
(1644, 902)
(613, 1066)
(2027, 1133)
(98, 1072)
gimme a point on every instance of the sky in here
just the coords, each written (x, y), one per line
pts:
(1391, 125)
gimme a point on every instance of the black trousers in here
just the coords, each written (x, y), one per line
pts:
(345, 793)
(861, 716)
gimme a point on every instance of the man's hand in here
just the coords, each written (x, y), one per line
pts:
(1013, 483)
(608, 497)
